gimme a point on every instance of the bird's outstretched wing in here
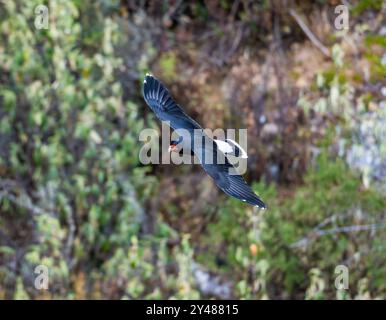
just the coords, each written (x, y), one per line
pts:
(236, 186)
(165, 108)
(225, 177)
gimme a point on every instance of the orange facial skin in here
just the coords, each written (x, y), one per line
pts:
(172, 147)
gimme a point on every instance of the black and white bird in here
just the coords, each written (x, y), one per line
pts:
(211, 153)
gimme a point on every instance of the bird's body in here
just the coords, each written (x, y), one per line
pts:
(211, 153)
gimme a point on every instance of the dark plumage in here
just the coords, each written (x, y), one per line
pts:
(164, 107)
(211, 158)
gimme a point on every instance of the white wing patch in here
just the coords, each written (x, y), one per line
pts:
(234, 145)
(224, 147)
(229, 146)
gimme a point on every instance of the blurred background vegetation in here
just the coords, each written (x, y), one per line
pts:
(74, 197)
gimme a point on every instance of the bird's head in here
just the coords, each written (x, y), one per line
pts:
(173, 147)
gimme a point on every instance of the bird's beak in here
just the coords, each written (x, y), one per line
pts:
(171, 148)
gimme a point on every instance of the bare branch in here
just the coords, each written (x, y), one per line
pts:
(345, 229)
(309, 34)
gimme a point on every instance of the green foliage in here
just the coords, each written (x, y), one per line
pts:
(168, 65)
(363, 5)
(266, 251)
(330, 190)
(75, 139)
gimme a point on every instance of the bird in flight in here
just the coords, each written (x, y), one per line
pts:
(211, 153)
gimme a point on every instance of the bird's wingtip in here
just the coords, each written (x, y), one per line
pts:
(147, 76)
